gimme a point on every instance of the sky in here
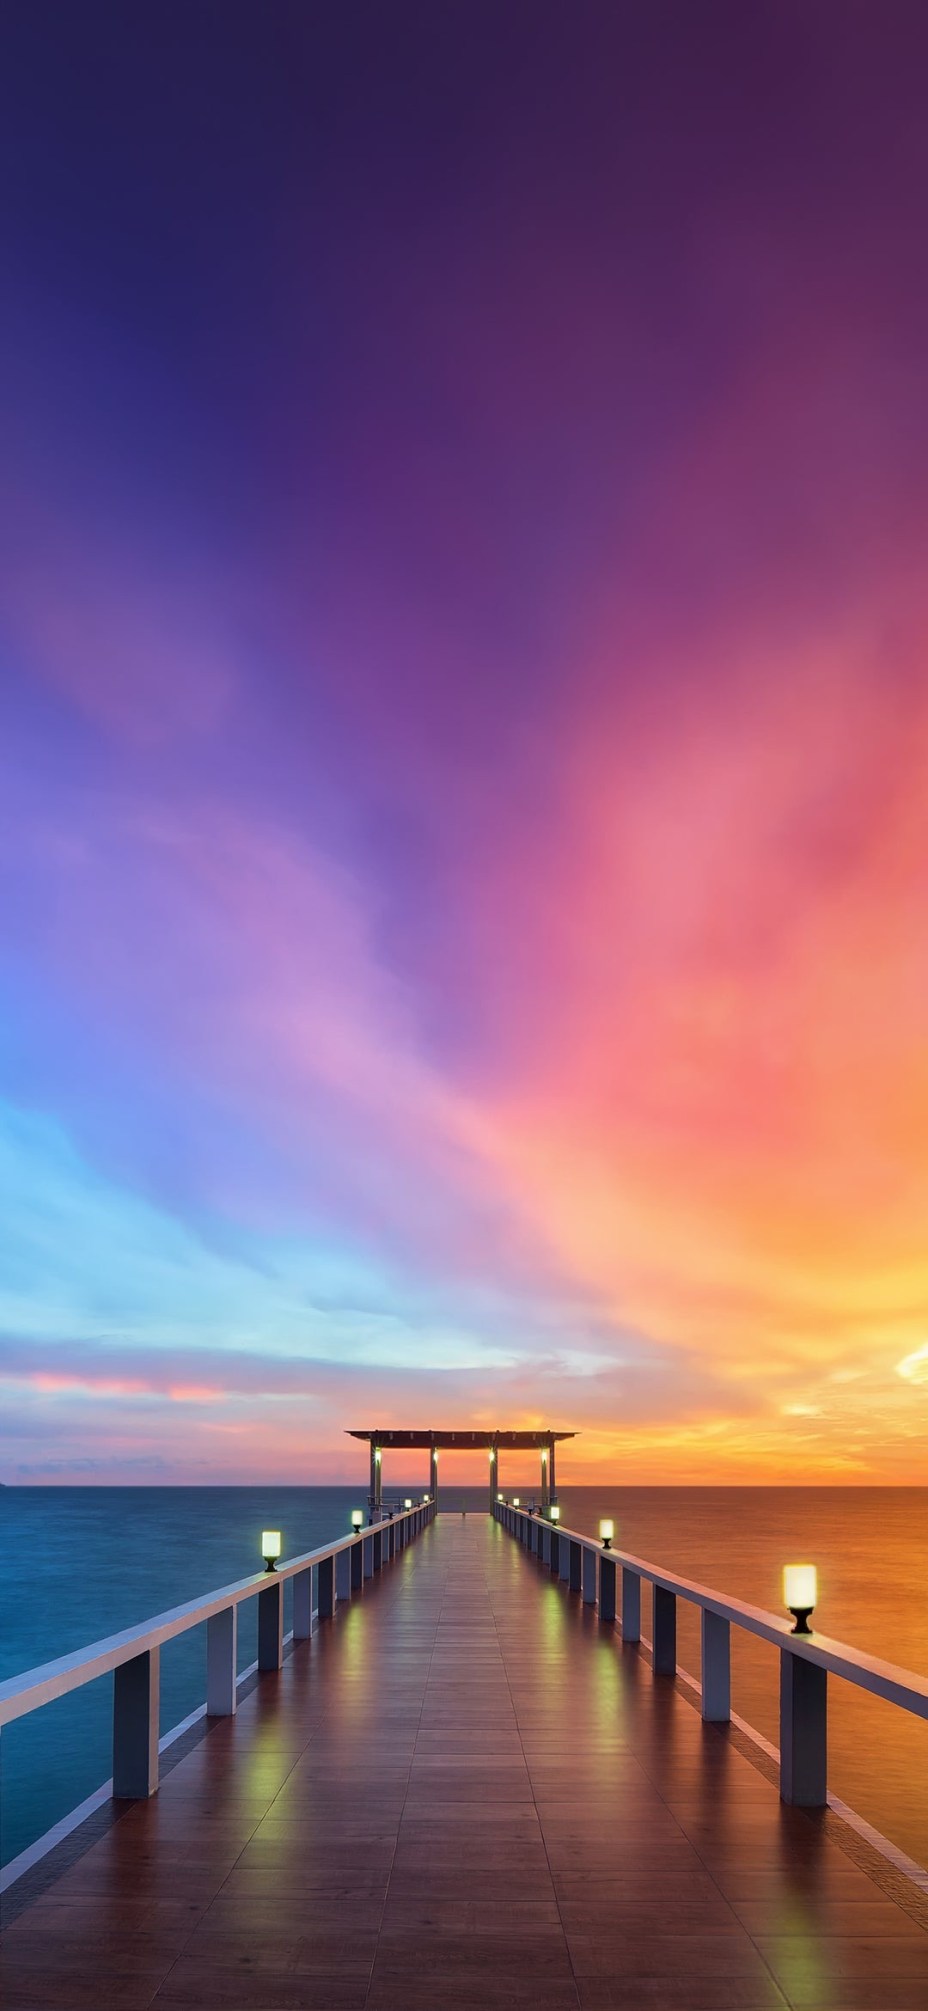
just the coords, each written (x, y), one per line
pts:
(464, 736)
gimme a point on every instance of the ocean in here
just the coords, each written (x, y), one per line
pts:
(80, 1563)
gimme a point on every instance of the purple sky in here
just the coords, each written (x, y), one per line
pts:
(463, 720)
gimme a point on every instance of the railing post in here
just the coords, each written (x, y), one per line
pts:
(716, 1668)
(303, 1604)
(664, 1644)
(589, 1576)
(803, 1731)
(565, 1547)
(221, 1656)
(326, 1587)
(378, 1549)
(631, 1605)
(135, 1726)
(367, 1552)
(576, 1556)
(544, 1542)
(607, 1589)
(554, 1551)
(271, 1624)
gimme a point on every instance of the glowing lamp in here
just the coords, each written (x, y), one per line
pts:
(516, 1502)
(800, 1590)
(554, 1512)
(606, 1532)
(408, 1502)
(270, 1548)
(357, 1518)
(501, 1497)
(378, 1455)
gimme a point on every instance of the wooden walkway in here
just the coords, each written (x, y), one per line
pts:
(463, 1795)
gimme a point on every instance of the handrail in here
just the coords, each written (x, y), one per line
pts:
(806, 1660)
(19, 1695)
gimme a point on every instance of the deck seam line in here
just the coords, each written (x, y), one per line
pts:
(554, 1891)
(408, 1554)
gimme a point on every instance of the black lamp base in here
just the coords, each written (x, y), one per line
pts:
(801, 1616)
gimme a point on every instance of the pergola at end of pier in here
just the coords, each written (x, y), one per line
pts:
(544, 1441)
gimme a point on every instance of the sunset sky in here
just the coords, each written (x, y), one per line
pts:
(464, 736)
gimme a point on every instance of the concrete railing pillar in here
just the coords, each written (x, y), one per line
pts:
(607, 1589)
(589, 1577)
(716, 1668)
(303, 1604)
(664, 1643)
(221, 1658)
(271, 1624)
(326, 1587)
(136, 1696)
(803, 1731)
(631, 1605)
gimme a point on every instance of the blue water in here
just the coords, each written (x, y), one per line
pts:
(77, 1564)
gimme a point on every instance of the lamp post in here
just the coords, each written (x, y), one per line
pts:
(800, 1591)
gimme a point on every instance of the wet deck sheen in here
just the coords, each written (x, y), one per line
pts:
(464, 1794)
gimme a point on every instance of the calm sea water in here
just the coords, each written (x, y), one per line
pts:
(79, 1563)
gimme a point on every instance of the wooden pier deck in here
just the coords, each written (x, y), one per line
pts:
(465, 1793)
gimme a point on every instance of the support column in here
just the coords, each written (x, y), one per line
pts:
(552, 1477)
(716, 1668)
(303, 1604)
(803, 1732)
(221, 1655)
(433, 1475)
(376, 1482)
(607, 1590)
(325, 1585)
(494, 1483)
(664, 1644)
(631, 1605)
(271, 1625)
(544, 1477)
(136, 1687)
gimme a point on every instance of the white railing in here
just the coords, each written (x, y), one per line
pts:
(340, 1569)
(806, 1660)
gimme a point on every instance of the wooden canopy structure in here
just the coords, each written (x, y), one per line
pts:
(433, 1441)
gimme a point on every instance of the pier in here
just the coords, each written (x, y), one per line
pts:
(457, 1788)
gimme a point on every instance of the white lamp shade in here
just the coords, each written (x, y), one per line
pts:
(270, 1543)
(516, 1502)
(800, 1587)
(357, 1518)
(408, 1502)
(554, 1512)
(606, 1529)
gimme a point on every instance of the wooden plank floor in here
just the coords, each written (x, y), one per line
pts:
(465, 1794)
